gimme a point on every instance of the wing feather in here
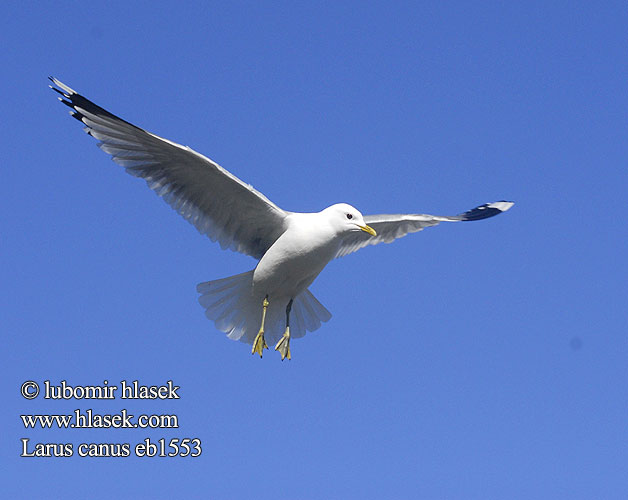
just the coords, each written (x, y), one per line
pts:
(390, 227)
(215, 201)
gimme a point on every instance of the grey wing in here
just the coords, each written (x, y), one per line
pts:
(391, 227)
(215, 201)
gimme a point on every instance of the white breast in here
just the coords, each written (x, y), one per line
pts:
(297, 257)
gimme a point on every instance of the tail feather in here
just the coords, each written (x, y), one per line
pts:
(318, 309)
(297, 320)
(238, 330)
(233, 307)
(221, 284)
(308, 313)
(312, 321)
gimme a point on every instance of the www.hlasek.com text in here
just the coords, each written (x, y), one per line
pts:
(90, 420)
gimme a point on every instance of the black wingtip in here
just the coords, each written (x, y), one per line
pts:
(79, 103)
(487, 210)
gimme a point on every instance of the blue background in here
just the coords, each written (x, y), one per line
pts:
(480, 360)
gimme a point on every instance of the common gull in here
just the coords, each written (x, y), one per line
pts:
(291, 248)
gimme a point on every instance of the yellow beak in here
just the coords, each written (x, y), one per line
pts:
(368, 229)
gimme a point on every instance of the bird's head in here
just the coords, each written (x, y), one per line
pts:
(346, 218)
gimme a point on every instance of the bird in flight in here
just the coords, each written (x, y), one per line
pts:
(292, 248)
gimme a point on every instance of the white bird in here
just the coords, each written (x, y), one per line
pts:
(292, 248)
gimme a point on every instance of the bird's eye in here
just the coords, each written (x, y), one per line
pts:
(349, 216)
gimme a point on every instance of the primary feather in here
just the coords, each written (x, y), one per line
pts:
(215, 201)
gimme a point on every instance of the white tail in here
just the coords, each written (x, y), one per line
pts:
(235, 310)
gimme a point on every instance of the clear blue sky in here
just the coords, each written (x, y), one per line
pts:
(485, 360)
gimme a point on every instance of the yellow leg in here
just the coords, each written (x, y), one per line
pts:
(283, 346)
(259, 344)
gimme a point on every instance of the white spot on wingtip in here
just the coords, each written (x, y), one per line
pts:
(501, 205)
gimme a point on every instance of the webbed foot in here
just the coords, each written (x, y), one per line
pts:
(259, 344)
(283, 346)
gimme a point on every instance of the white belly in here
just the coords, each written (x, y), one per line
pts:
(294, 260)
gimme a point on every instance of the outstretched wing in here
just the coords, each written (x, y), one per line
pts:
(391, 227)
(215, 201)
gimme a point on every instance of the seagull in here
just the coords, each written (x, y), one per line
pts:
(292, 248)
